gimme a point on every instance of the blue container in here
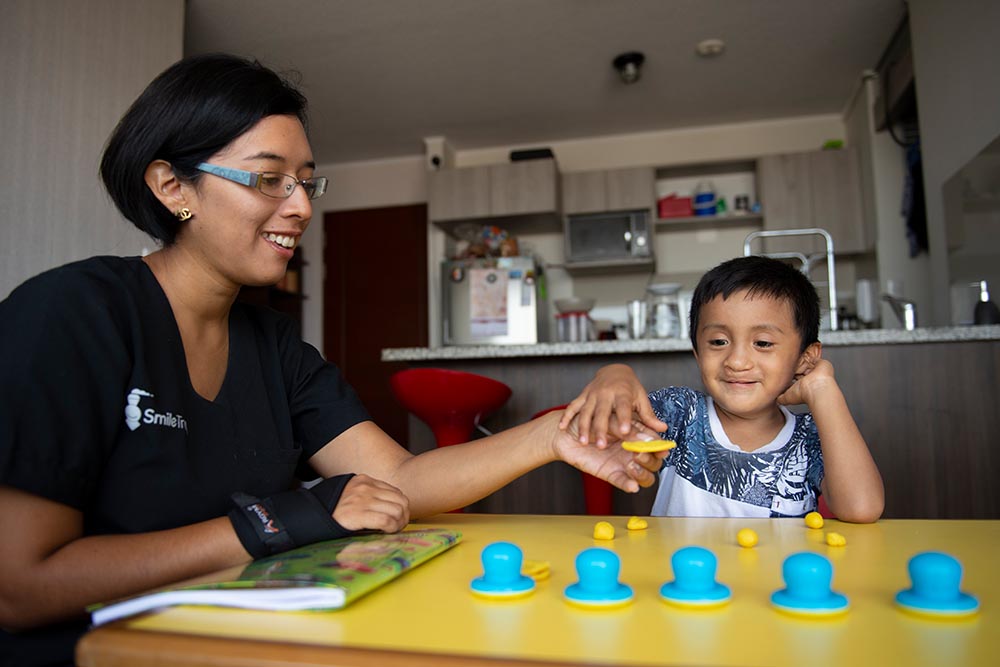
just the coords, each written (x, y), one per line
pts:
(704, 199)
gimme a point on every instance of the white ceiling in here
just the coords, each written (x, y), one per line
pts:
(383, 74)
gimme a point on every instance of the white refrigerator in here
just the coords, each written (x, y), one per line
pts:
(495, 301)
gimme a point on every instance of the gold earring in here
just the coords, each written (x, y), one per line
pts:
(184, 214)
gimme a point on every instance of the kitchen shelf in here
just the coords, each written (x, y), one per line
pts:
(601, 266)
(713, 220)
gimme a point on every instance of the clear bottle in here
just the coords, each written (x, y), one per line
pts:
(986, 311)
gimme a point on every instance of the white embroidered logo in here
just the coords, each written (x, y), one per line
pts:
(134, 417)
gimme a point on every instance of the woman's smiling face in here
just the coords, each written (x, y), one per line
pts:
(748, 351)
(245, 236)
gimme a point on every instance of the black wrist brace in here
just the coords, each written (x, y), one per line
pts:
(289, 519)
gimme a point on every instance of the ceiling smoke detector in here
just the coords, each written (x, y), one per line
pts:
(710, 48)
(629, 65)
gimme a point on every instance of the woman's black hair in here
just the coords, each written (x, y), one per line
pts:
(195, 108)
(761, 276)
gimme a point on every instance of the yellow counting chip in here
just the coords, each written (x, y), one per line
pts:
(836, 540)
(637, 523)
(536, 569)
(648, 445)
(604, 531)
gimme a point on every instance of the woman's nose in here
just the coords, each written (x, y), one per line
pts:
(298, 204)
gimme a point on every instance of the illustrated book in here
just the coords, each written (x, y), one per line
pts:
(318, 577)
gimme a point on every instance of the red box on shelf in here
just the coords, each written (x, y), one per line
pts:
(673, 206)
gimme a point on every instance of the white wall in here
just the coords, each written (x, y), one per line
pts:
(958, 97)
(70, 70)
(882, 175)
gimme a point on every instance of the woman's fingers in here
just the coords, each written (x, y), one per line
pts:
(371, 504)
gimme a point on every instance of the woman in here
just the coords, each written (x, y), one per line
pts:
(151, 427)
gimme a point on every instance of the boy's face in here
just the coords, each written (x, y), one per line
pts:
(748, 352)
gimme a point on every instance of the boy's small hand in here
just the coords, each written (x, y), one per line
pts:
(614, 391)
(808, 386)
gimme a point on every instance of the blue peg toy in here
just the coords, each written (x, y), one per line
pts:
(694, 583)
(807, 588)
(935, 592)
(598, 586)
(502, 578)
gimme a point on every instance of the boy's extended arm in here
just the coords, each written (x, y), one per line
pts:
(615, 390)
(852, 484)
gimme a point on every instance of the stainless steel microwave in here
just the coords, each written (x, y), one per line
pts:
(608, 239)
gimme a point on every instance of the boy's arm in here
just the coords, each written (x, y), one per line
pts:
(615, 390)
(851, 484)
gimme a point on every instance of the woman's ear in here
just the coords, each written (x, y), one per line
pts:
(809, 358)
(163, 182)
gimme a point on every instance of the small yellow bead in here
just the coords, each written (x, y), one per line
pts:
(747, 538)
(604, 531)
(636, 523)
(836, 540)
(814, 520)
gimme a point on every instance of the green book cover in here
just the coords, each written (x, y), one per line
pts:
(321, 576)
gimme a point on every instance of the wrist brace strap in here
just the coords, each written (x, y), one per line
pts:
(289, 519)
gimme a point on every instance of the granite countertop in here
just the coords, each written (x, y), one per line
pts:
(828, 338)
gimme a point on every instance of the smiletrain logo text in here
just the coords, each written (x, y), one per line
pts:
(135, 417)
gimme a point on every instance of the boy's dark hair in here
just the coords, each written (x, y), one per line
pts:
(761, 276)
(196, 107)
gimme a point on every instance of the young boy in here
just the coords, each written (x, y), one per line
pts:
(740, 452)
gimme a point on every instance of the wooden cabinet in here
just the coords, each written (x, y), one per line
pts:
(459, 194)
(517, 188)
(608, 190)
(814, 189)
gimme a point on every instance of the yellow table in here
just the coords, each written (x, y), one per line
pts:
(428, 616)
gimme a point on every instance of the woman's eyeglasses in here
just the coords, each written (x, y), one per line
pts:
(270, 183)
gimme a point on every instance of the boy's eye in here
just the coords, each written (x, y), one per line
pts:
(717, 342)
(764, 344)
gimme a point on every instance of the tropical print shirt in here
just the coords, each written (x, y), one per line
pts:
(708, 475)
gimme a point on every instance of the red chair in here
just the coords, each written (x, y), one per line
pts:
(451, 403)
(824, 509)
(597, 494)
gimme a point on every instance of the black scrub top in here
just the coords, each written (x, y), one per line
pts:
(97, 410)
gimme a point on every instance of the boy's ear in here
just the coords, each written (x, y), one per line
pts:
(164, 184)
(809, 358)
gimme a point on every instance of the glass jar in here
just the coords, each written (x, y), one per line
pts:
(663, 309)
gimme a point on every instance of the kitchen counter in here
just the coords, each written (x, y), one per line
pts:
(828, 338)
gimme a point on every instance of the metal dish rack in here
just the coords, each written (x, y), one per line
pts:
(807, 260)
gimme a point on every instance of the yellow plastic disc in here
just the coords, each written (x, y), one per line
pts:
(604, 531)
(836, 540)
(648, 445)
(637, 523)
(536, 569)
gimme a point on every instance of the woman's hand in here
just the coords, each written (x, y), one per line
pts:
(629, 471)
(371, 504)
(615, 390)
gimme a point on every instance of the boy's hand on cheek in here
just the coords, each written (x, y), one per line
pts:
(809, 386)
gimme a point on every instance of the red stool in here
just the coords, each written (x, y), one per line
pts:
(597, 494)
(824, 509)
(450, 402)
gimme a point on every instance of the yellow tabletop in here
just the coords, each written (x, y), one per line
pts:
(431, 612)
